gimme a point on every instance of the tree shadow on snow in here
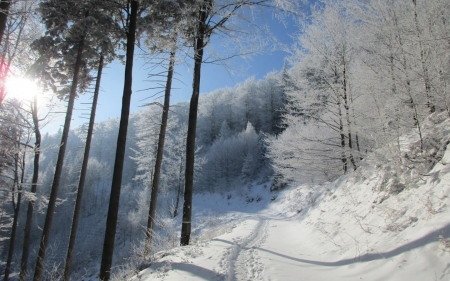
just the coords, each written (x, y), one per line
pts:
(164, 266)
(422, 241)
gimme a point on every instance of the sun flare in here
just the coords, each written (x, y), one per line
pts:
(21, 89)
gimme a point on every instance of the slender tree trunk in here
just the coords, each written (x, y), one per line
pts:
(416, 119)
(177, 202)
(347, 115)
(342, 135)
(18, 183)
(192, 126)
(4, 12)
(341, 125)
(443, 81)
(426, 78)
(27, 231)
(59, 165)
(12, 238)
(76, 212)
(4, 70)
(356, 130)
(394, 93)
(411, 101)
(113, 209)
(159, 156)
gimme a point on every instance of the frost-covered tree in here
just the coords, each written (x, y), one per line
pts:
(231, 159)
(360, 79)
(83, 172)
(147, 140)
(15, 137)
(175, 160)
(66, 45)
(139, 15)
(20, 29)
(214, 17)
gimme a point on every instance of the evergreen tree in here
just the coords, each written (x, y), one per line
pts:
(64, 43)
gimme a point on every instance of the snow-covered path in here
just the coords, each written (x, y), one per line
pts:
(350, 229)
(270, 248)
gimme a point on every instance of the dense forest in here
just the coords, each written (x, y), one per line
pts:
(361, 75)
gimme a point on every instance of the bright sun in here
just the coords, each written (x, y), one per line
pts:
(21, 89)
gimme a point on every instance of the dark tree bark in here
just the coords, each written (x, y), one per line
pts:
(76, 212)
(59, 165)
(341, 126)
(4, 12)
(356, 131)
(347, 115)
(426, 77)
(159, 156)
(17, 187)
(110, 232)
(342, 136)
(177, 202)
(12, 238)
(192, 126)
(27, 231)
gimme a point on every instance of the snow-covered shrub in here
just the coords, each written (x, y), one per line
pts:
(232, 160)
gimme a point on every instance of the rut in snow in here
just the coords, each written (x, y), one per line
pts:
(242, 258)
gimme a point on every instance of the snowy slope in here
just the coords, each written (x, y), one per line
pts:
(356, 228)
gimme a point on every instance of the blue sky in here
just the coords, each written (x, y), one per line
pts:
(212, 77)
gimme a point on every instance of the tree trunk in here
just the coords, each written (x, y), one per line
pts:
(426, 77)
(192, 126)
(411, 101)
(59, 165)
(159, 156)
(113, 209)
(4, 12)
(4, 68)
(12, 238)
(347, 115)
(16, 206)
(341, 125)
(27, 231)
(76, 212)
(394, 93)
(177, 202)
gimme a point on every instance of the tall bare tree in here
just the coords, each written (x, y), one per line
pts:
(54, 36)
(199, 44)
(34, 183)
(84, 165)
(159, 155)
(212, 17)
(113, 209)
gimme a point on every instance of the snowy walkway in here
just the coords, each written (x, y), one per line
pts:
(346, 230)
(272, 249)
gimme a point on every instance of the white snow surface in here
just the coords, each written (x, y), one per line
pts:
(342, 235)
(349, 229)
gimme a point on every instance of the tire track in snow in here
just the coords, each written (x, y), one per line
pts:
(242, 259)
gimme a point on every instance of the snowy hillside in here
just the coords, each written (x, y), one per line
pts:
(371, 224)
